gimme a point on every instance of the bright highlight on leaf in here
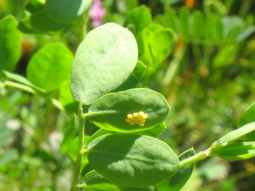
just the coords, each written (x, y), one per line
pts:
(103, 61)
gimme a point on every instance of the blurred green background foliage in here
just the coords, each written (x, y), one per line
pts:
(199, 54)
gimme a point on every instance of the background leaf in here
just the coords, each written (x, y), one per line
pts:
(139, 18)
(50, 66)
(154, 53)
(10, 43)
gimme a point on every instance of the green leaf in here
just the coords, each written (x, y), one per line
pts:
(50, 66)
(246, 33)
(66, 11)
(181, 177)
(169, 2)
(214, 29)
(102, 187)
(70, 143)
(93, 177)
(139, 18)
(197, 26)
(111, 111)
(154, 53)
(151, 188)
(236, 134)
(169, 19)
(232, 27)
(103, 61)
(132, 160)
(66, 98)
(247, 117)
(236, 151)
(226, 56)
(184, 24)
(10, 43)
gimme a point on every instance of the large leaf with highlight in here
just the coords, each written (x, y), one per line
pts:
(50, 66)
(131, 160)
(110, 112)
(103, 61)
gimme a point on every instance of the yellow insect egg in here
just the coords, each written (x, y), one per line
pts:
(137, 118)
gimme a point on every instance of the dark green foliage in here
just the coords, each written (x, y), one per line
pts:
(142, 160)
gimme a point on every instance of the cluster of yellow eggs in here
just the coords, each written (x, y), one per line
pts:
(137, 118)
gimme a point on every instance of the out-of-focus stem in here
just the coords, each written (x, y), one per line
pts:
(78, 163)
(174, 64)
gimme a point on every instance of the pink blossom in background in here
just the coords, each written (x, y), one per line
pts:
(97, 13)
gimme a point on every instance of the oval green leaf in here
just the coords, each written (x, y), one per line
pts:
(112, 111)
(103, 61)
(131, 160)
(50, 66)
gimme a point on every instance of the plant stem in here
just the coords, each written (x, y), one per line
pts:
(78, 163)
(194, 159)
(30, 90)
(19, 86)
(94, 114)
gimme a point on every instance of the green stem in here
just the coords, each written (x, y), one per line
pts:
(78, 163)
(30, 90)
(194, 159)
(19, 86)
(93, 114)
